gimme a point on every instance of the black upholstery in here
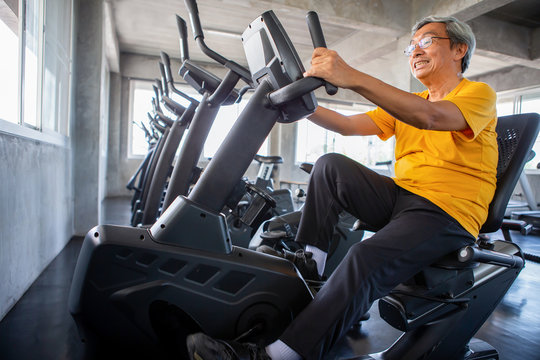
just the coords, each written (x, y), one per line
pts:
(268, 159)
(516, 136)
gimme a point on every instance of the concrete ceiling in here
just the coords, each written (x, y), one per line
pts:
(369, 34)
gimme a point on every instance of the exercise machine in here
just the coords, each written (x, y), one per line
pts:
(139, 288)
(144, 287)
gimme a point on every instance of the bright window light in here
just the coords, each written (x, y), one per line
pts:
(141, 104)
(8, 73)
(313, 141)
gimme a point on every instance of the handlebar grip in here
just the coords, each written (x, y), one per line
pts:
(315, 29)
(162, 73)
(159, 87)
(167, 65)
(182, 31)
(317, 37)
(195, 20)
(470, 253)
(162, 83)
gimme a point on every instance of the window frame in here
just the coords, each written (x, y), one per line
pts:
(517, 96)
(354, 107)
(191, 92)
(132, 87)
(20, 127)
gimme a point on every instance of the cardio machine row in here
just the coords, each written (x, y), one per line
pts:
(157, 182)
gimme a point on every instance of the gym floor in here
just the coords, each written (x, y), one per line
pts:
(40, 327)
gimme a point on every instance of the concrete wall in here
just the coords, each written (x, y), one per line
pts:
(89, 151)
(36, 211)
(53, 186)
(36, 204)
(117, 156)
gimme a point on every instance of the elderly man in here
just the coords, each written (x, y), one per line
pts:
(445, 176)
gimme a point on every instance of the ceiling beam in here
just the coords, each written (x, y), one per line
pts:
(511, 78)
(362, 44)
(462, 9)
(514, 44)
(390, 17)
(501, 37)
(535, 44)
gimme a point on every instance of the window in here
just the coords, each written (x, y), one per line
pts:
(312, 141)
(57, 66)
(521, 102)
(141, 95)
(9, 82)
(531, 104)
(505, 106)
(31, 56)
(141, 103)
(35, 66)
(222, 125)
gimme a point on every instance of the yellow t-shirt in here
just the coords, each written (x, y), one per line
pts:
(456, 170)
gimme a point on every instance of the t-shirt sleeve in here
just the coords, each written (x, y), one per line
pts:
(384, 121)
(477, 104)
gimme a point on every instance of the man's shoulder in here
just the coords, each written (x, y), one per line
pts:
(477, 85)
(474, 89)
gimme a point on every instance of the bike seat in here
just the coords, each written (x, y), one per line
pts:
(427, 295)
(268, 159)
(307, 167)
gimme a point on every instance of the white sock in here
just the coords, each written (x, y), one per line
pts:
(278, 350)
(319, 256)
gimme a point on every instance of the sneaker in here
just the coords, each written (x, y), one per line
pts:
(300, 258)
(203, 347)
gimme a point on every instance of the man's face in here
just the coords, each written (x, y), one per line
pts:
(436, 59)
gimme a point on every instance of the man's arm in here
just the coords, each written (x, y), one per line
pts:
(404, 106)
(359, 124)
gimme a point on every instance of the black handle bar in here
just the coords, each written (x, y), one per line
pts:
(162, 71)
(193, 11)
(317, 38)
(158, 89)
(199, 38)
(473, 253)
(166, 64)
(182, 31)
(295, 90)
(169, 78)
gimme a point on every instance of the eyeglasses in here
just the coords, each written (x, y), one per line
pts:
(422, 44)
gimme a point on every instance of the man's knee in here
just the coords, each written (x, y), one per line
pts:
(331, 163)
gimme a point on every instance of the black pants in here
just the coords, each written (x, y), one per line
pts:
(413, 233)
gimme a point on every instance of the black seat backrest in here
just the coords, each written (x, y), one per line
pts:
(516, 135)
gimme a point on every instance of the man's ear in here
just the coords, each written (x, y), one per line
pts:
(461, 50)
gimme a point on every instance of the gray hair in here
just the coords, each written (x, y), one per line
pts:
(458, 32)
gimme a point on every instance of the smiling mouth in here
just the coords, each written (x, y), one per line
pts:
(420, 63)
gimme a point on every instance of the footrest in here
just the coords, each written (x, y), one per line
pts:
(273, 235)
(479, 349)
(530, 217)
